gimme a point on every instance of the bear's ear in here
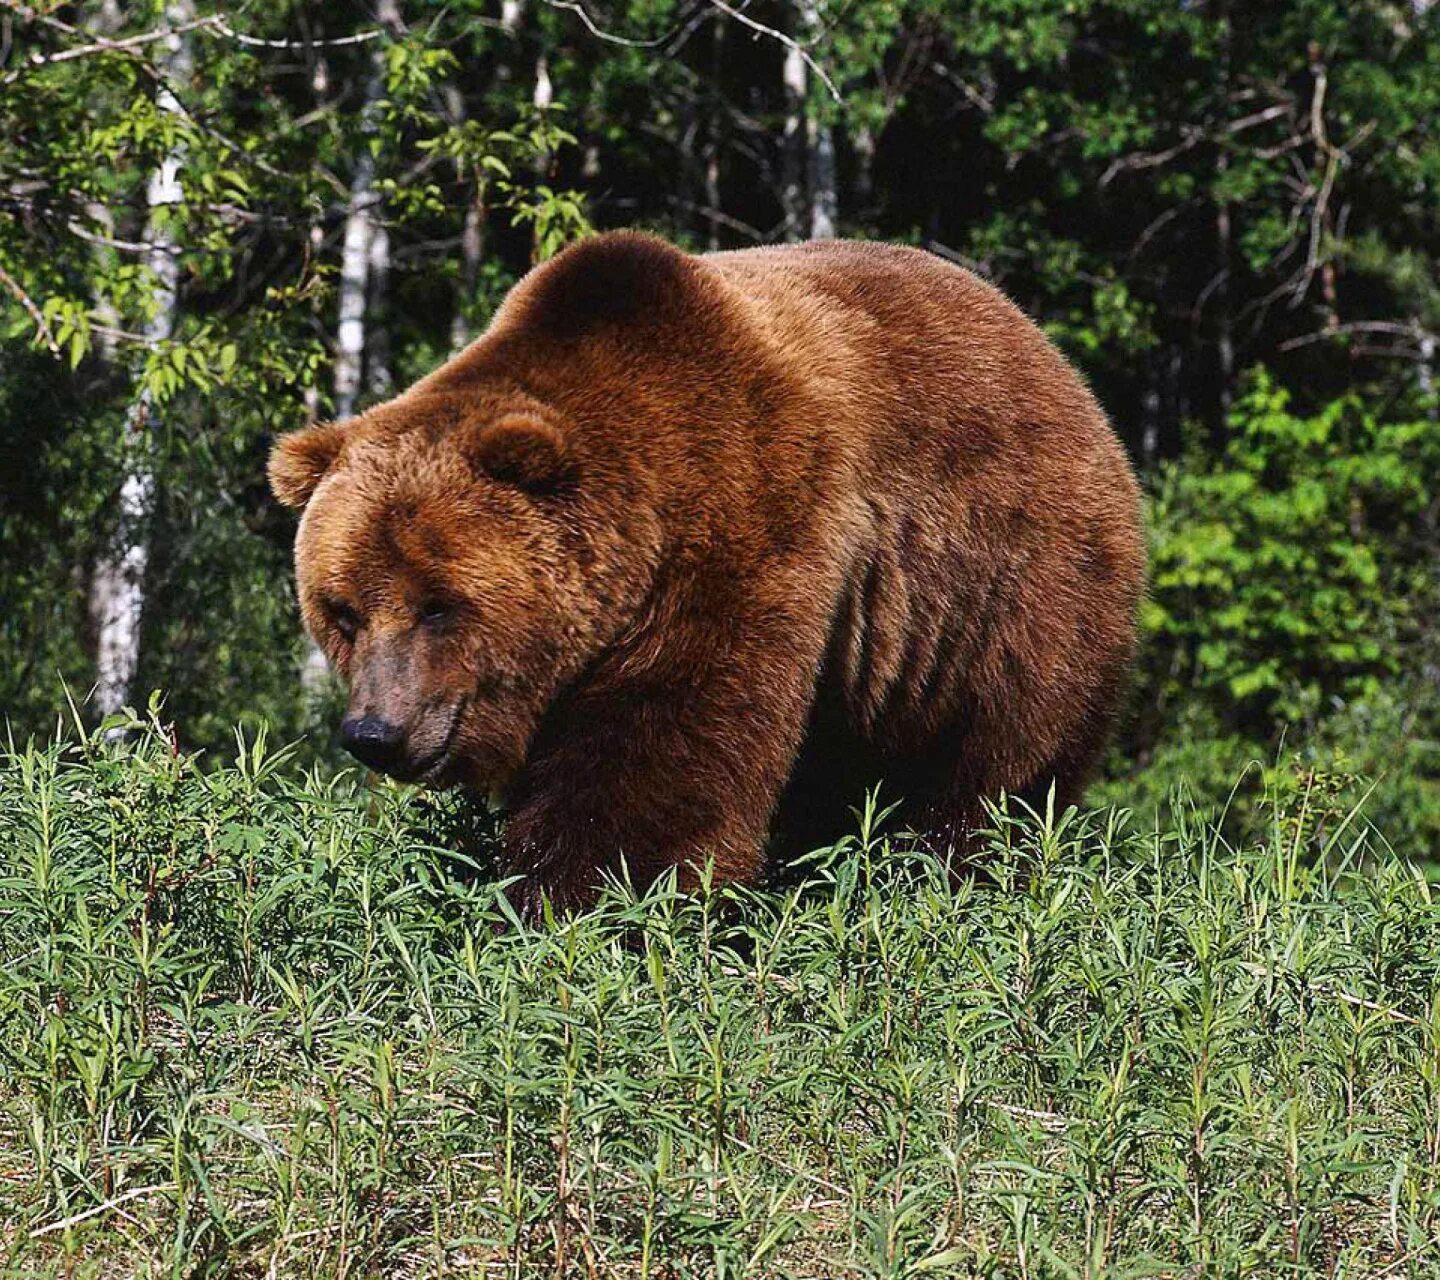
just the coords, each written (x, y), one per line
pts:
(523, 450)
(299, 461)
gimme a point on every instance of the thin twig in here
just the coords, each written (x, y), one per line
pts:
(574, 6)
(790, 43)
(1399, 329)
(1050, 1120)
(720, 216)
(36, 314)
(362, 37)
(133, 1194)
(103, 44)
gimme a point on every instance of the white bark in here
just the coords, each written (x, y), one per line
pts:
(864, 143)
(712, 196)
(542, 98)
(713, 134)
(824, 205)
(807, 195)
(320, 86)
(378, 379)
(117, 589)
(1150, 416)
(472, 239)
(472, 233)
(316, 238)
(360, 255)
(364, 270)
(472, 247)
(792, 144)
(355, 267)
(1425, 373)
(1225, 341)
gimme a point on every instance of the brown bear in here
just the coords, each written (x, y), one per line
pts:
(687, 550)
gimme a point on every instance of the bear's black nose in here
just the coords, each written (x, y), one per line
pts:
(376, 743)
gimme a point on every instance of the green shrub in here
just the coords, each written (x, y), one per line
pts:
(1292, 573)
(1291, 614)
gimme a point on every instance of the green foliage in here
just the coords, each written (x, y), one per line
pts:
(1290, 617)
(1289, 573)
(251, 1022)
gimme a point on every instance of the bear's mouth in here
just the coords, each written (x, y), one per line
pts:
(431, 769)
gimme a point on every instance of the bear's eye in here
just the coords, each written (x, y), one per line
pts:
(433, 611)
(346, 620)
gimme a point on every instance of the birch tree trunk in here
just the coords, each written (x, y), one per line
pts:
(355, 262)
(792, 144)
(864, 144)
(543, 98)
(472, 233)
(472, 238)
(379, 382)
(713, 135)
(320, 86)
(824, 205)
(1425, 374)
(1223, 250)
(808, 156)
(472, 249)
(364, 272)
(117, 588)
(1150, 406)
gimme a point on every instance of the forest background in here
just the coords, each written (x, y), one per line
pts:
(221, 221)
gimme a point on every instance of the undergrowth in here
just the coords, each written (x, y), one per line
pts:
(253, 1022)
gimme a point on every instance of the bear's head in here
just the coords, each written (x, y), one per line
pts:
(458, 570)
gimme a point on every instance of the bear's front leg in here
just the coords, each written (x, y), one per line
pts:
(675, 767)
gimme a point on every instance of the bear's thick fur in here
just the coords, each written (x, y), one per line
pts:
(684, 551)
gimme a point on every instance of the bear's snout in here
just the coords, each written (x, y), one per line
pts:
(413, 748)
(377, 744)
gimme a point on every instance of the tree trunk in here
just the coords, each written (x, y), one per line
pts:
(364, 270)
(1224, 257)
(472, 232)
(355, 265)
(793, 143)
(1150, 408)
(379, 382)
(472, 249)
(864, 143)
(542, 99)
(472, 238)
(808, 157)
(713, 135)
(117, 589)
(1225, 341)
(1425, 374)
(824, 206)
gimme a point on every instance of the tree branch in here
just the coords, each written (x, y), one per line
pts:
(36, 314)
(805, 55)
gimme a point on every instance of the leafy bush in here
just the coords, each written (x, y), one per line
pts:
(254, 1022)
(1291, 613)
(1287, 576)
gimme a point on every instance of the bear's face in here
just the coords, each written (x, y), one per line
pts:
(439, 566)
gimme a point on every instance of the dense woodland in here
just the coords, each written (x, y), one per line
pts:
(221, 221)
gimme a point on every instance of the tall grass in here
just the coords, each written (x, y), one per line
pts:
(257, 1023)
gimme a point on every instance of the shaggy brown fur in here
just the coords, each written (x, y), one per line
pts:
(687, 549)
